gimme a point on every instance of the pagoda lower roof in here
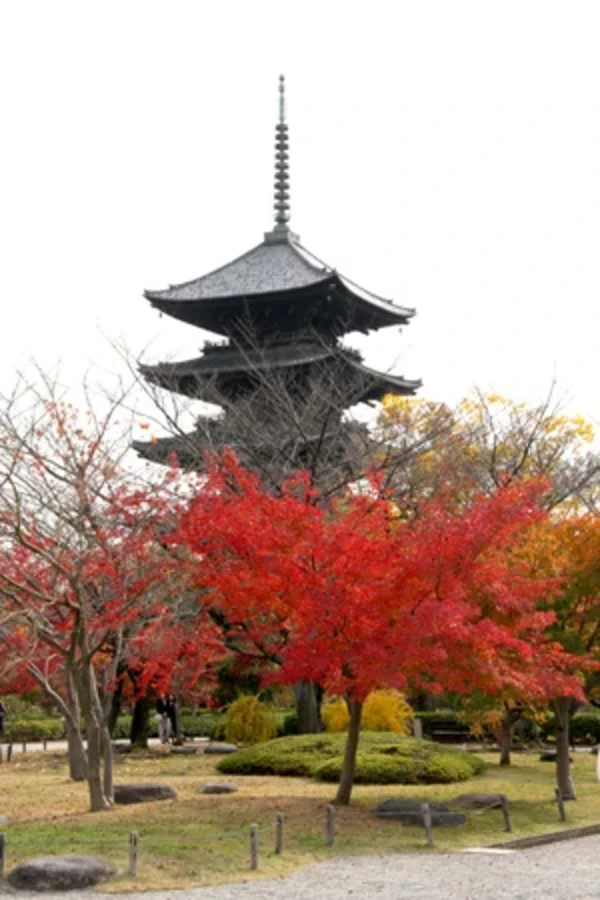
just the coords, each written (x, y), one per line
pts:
(190, 449)
(233, 364)
(277, 271)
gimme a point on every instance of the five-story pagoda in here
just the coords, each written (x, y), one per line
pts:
(281, 378)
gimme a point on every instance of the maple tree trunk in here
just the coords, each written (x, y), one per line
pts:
(349, 765)
(307, 708)
(176, 725)
(92, 709)
(504, 737)
(115, 702)
(75, 746)
(76, 752)
(140, 723)
(107, 754)
(564, 782)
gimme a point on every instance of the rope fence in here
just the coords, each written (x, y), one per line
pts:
(254, 839)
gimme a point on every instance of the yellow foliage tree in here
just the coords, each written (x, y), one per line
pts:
(487, 441)
(383, 710)
(250, 722)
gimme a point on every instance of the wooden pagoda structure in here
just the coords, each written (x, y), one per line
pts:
(282, 313)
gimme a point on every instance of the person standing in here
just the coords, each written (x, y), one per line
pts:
(164, 722)
(172, 713)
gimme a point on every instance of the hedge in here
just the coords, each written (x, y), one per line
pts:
(34, 730)
(585, 727)
(381, 759)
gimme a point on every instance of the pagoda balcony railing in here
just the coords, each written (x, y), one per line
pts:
(281, 339)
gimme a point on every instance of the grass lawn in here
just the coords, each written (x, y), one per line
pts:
(203, 839)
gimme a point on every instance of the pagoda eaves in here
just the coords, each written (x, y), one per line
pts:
(269, 280)
(229, 371)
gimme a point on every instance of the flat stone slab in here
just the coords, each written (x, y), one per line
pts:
(60, 873)
(409, 812)
(143, 793)
(550, 756)
(478, 801)
(220, 747)
(185, 750)
(217, 789)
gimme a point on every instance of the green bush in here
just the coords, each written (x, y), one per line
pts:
(371, 768)
(288, 725)
(381, 759)
(19, 708)
(204, 724)
(34, 730)
(585, 727)
(250, 722)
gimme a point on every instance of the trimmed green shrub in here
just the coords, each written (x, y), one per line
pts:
(372, 768)
(585, 727)
(122, 728)
(200, 724)
(204, 724)
(288, 725)
(34, 730)
(382, 759)
(250, 722)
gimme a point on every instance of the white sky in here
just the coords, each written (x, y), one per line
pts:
(445, 154)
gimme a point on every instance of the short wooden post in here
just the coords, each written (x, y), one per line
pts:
(279, 833)
(426, 813)
(2, 846)
(330, 811)
(1, 757)
(254, 846)
(506, 814)
(561, 805)
(417, 728)
(45, 744)
(9, 752)
(133, 852)
(24, 746)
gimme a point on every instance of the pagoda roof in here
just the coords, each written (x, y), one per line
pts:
(230, 364)
(280, 269)
(211, 434)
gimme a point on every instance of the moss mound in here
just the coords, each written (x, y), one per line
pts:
(382, 759)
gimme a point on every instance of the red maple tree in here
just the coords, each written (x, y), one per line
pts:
(87, 581)
(346, 594)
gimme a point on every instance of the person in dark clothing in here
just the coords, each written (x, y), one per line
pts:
(2, 716)
(171, 704)
(162, 708)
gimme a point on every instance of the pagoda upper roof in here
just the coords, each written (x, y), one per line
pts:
(278, 270)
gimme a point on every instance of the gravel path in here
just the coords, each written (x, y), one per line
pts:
(565, 871)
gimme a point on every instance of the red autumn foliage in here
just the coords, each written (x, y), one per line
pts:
(347, 595)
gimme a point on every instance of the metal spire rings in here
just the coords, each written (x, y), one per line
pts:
(282, 184)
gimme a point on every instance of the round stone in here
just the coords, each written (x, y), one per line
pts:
(60, 873)
(143, 793)
(220, 747)
(217, 789)
(409, 812)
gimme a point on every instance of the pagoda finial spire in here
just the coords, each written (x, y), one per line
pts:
(282, 184)
(281, 231)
